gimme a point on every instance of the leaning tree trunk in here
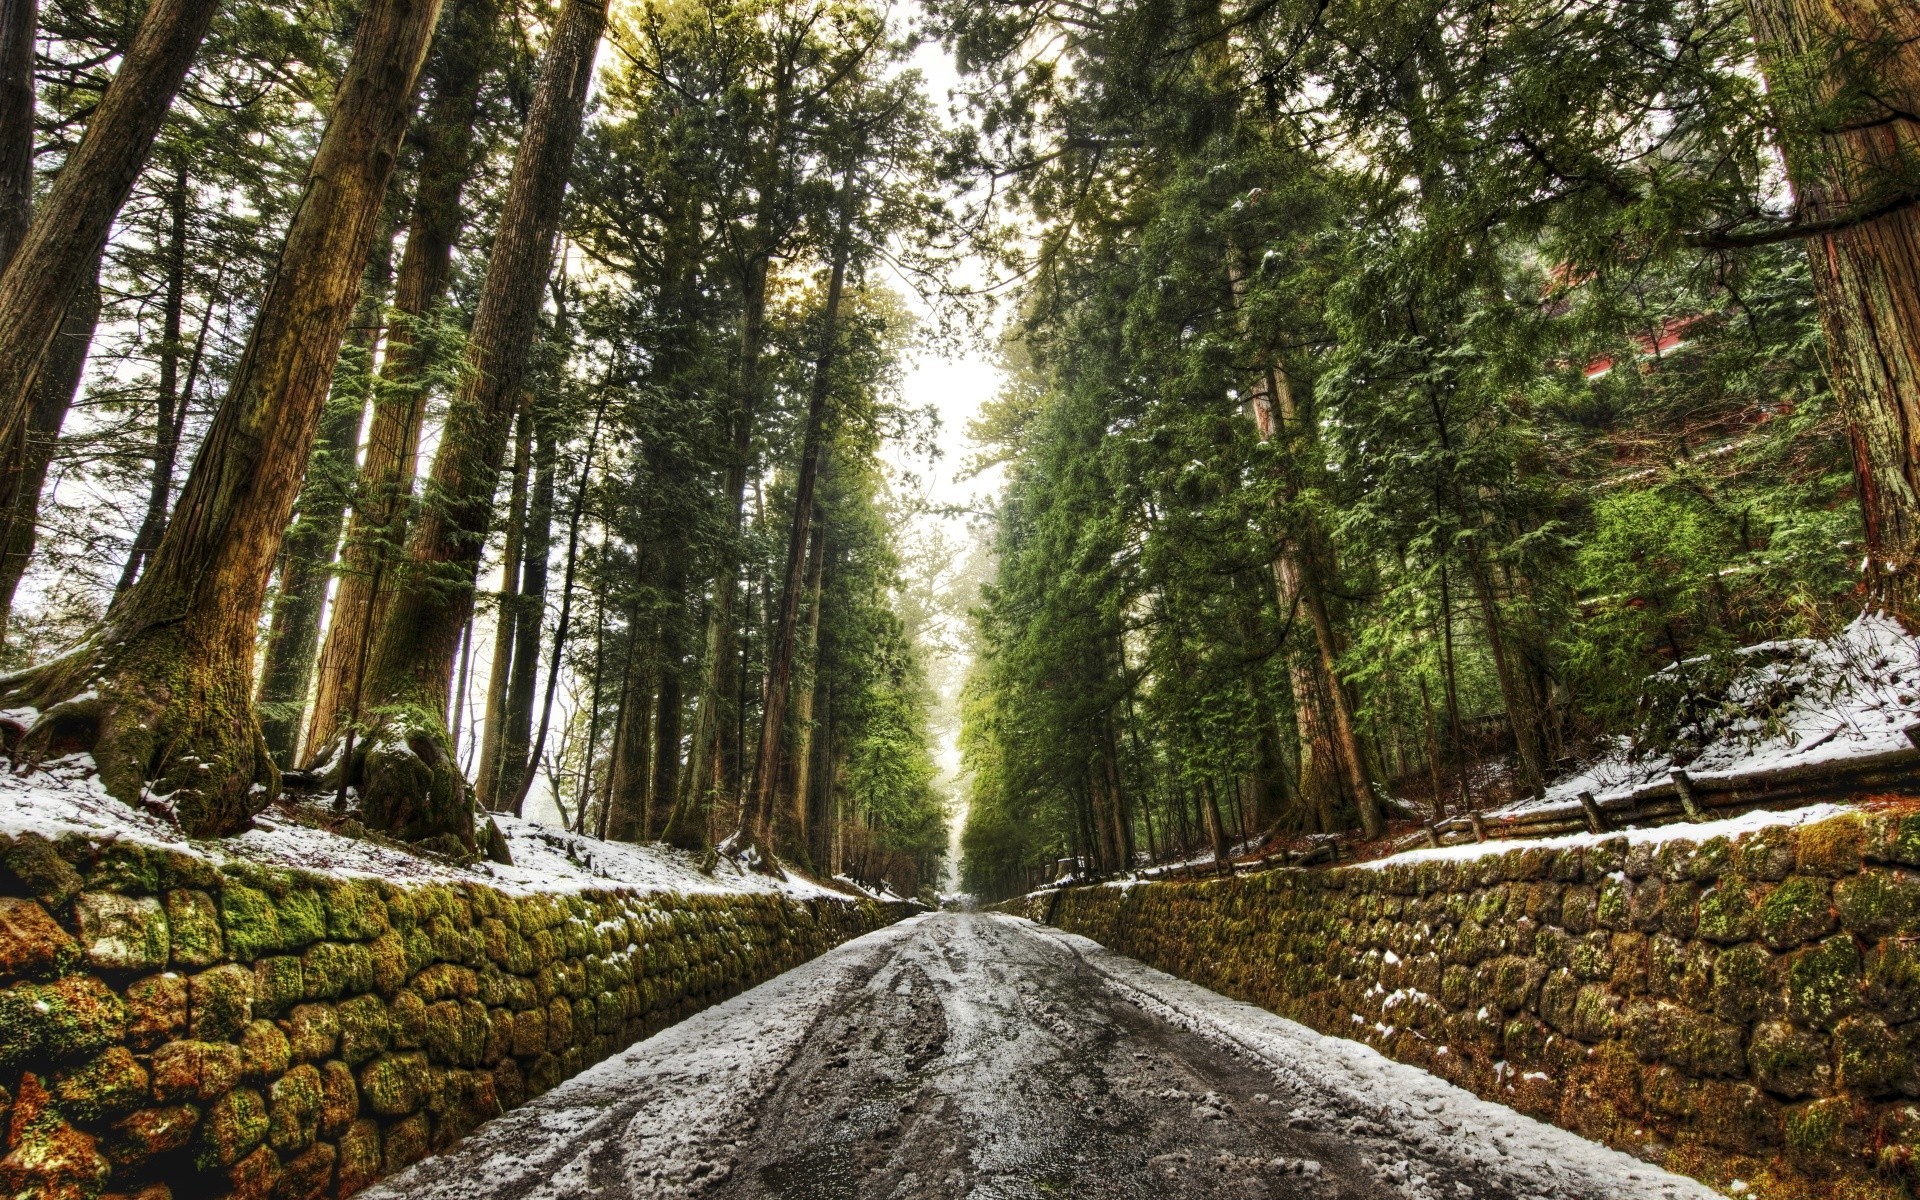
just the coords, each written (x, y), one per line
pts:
(67, 233)
(1856, 174)
(410, 780)
(506, 611)
(168, 407)
(26, 467)
(19, 21)
(162, 692)
(463, 55)
(756, 817)
(319, 514)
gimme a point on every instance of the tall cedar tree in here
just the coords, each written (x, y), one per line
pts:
(162, 691)
(410, 782)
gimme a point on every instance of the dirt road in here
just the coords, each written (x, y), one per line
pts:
(975, 1056)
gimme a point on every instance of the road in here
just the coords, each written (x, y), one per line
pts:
(962, 1055)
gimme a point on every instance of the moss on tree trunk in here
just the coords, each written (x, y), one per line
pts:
(163, 692)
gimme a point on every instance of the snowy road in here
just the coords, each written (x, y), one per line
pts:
(983, 1057)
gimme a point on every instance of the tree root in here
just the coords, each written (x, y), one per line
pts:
(174, 740)
(409, 785)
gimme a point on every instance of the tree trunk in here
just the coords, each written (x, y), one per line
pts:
(756, 819)
(19, 22)
(411, 785)
(162, 692)
(530, 611)
(1866, 255)
(464, 54)
(293, 632)
(666, 746)
(67, 234)
(166, 422)
(1270, 401)
(633, 733)
(794, 839)
(1514, 691)
(26, 469)
(506, 612)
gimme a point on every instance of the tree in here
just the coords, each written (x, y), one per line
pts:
(67, 233)
(166, 704)
(410, 784)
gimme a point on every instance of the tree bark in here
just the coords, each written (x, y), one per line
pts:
(410, 782)
(1866, 274)
(795, 840)
(633, 734)
(19, 22)
(666, 746)
(26, 470)
(319, 515)
(506, 613)
(756, 824)
(162, 692)
(168, 409)
(529, 622)
(67, 233)
(464, 53)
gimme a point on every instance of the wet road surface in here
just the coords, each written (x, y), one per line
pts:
(975, 1056)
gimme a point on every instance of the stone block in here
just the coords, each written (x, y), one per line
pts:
(193, 919)
(32, 944)
(219, 1002)
(121, 933)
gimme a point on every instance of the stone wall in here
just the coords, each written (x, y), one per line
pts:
(169, 1027)
(1737, 1009)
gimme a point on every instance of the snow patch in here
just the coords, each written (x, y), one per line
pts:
(1795, 703)
(1728, 827)
(65, 797)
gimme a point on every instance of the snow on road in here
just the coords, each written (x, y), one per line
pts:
(958, 1055)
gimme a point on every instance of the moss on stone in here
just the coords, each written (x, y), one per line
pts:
(294, 1104)
(1832, 847)
(190, 1070)
(254, 1177)
(248, 919)
(41, 872)
(1798, 910)
(123, 866)
(194, 921)
(313, 1032)
(302, 915)
(156, 1010)
(366, 1028)
(235, 1124)
(1824, 982)
(355, 911)
(219, 1002)
(121, 933)
(306, 1175)
(1878, 903)
(151, 1132)
(394, 1085)
(48, 1159)
(264, 1050)
(32, 944)
(63, 1019)
(279, 982)
(1740, 989)
(1729, 912)
(336, 969)
(110, 1082)
(359, 1162)
(1815, 1126)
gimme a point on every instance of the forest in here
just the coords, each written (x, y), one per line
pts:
(417, 407)
(1398, 388)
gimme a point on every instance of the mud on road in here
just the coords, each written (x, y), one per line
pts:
(980, 1057)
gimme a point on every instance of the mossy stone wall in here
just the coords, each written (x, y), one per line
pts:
(1743, 1008)
(170, 1028)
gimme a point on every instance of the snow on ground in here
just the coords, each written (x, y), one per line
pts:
(65, 797)
(1729, 827)
(1801, 702)
(1492, 1141)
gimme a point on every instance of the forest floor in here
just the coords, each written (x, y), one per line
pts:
(967, 1055)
